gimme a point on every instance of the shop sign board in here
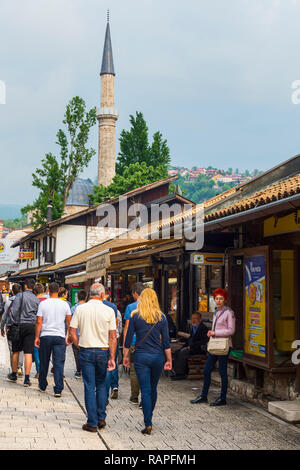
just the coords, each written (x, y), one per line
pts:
(255, 306)
(96, 266)
(26, 254)
(207, 259)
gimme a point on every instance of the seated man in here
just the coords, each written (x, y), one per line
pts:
(195, 344)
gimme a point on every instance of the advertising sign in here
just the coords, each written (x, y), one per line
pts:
(207, 259)
(8, 255)
(255, 306)
(26, 254)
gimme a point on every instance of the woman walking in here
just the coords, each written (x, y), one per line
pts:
(152, 346)
(223, 327)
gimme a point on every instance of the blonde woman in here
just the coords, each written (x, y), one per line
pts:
(152, 346)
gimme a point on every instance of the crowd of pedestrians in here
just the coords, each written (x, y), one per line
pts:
(40, 325)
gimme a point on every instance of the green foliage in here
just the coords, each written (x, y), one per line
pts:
(134, 176)
(56, 176)
(139, 163)
(201, 189)
(15, 223)
(135, 148)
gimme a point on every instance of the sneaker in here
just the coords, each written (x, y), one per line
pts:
(20, 372)
(114, 394)
(133, 400)
(27, 383)
(77, 375)
(41, 390)
(57, 395)
(12, 377)
(37, 375)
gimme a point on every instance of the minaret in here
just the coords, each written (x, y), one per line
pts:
(107, 115)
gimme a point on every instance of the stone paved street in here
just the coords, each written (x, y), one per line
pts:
(32, 420)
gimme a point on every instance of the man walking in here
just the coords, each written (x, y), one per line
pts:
(137, 289)
(97, 343)
(23, 313)
(50, 337)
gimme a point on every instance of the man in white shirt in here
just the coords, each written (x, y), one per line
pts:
(50, 337)
(97, 344)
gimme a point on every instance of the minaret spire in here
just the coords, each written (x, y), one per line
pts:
(107, 115)
(107, 58)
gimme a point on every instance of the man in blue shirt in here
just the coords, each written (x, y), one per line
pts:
(137, 289)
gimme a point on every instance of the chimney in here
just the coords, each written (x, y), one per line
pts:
(49, 211)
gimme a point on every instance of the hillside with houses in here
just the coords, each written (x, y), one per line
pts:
(200, 184)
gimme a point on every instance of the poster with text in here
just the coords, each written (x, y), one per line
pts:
(255, 306)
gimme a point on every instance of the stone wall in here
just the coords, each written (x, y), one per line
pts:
(96, 235)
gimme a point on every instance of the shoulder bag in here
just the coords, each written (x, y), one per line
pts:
(14, 330)
(146, 335)
(218, 346)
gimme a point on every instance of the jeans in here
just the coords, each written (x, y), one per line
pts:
(112, 377)
(36, 356)
(208, 368)
(77, 359)
(134, 383)
(148, 369)
(94, 363)
(57, 346)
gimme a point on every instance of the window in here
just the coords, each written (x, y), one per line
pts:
(208, 278)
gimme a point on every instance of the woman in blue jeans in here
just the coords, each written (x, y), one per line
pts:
(152, 347)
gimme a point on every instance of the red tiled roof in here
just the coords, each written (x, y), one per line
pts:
(274, 192)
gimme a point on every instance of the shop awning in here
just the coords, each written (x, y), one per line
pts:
(77, 277)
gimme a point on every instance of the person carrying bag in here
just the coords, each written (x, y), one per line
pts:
(218, 347)
(14, 330)
(152, 350)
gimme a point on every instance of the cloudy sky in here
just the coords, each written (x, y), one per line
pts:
(214, 77)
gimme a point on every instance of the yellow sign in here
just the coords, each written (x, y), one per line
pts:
(255, 306)
(23, 254)
(208, 259)
(42, 279)
(276, 225)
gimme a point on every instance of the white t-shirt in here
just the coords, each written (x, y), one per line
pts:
(95, 320)
(54, 312)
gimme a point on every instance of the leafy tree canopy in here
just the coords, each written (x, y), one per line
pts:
(56, 177)
(139, 163)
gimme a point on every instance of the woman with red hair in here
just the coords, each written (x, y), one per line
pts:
(223, 327)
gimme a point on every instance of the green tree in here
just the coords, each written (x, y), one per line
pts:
(57, 175)
(135, 148)
(139, 163)
(134, 176)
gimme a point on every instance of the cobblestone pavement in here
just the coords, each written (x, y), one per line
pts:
(34, 420)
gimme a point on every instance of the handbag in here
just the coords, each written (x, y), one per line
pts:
(218, 346)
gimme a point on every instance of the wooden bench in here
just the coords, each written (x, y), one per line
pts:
(196, 365)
